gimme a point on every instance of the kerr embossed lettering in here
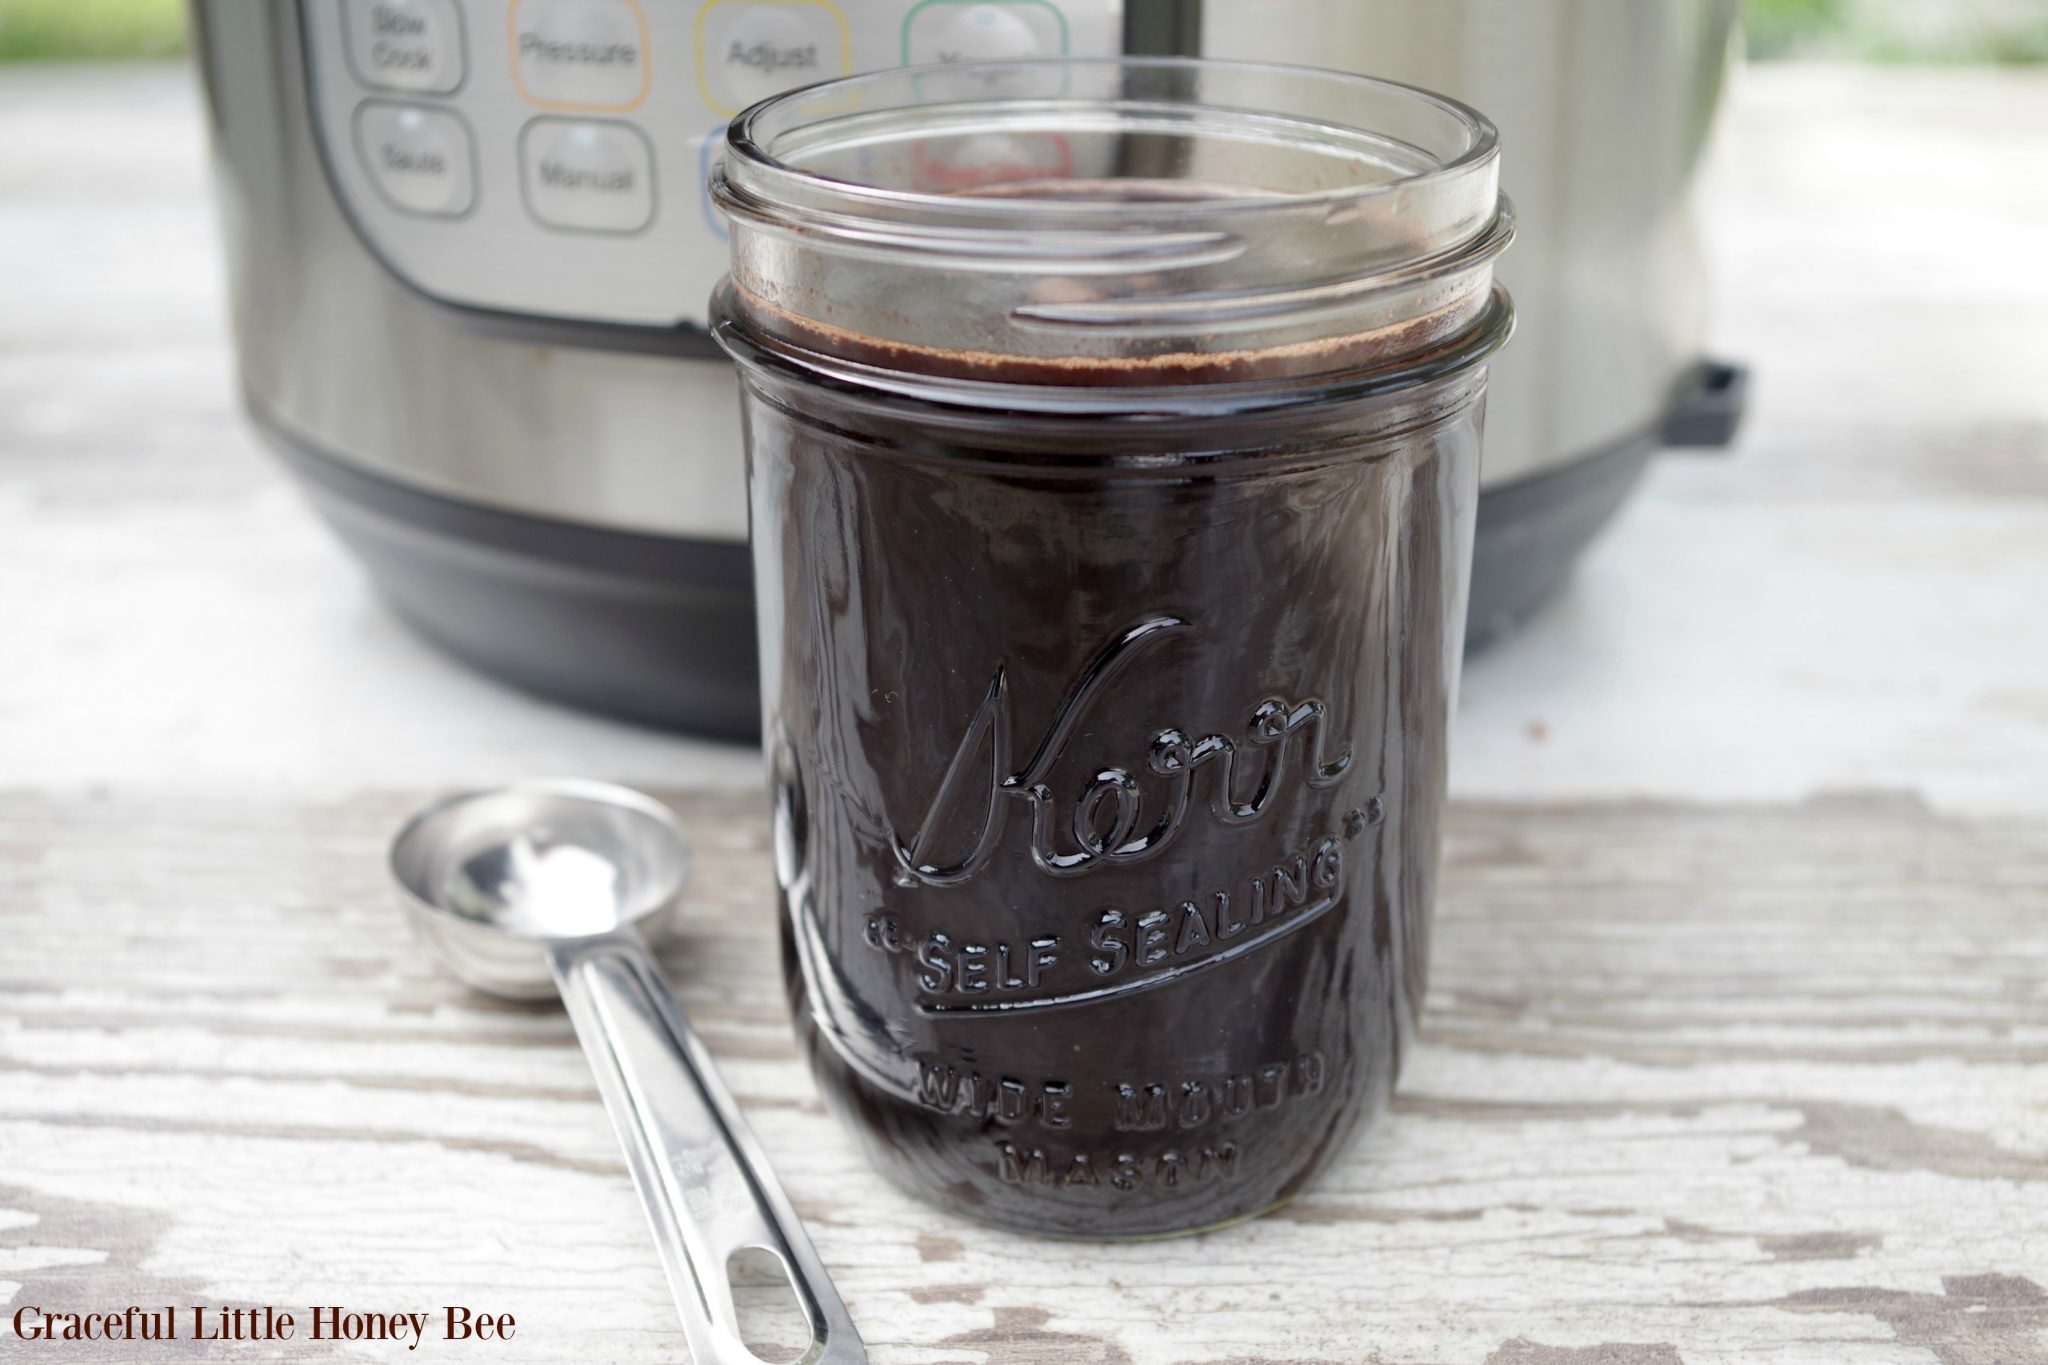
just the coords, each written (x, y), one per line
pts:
(1096, 843)
(1111, 532)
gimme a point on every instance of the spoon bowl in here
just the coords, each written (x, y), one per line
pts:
(488, 878)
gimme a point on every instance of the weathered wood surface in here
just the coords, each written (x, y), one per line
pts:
(1761, 1085)
(1763, 1080)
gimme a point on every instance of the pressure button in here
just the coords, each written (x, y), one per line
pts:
(406, 44)
(580, 54)
(418, 156)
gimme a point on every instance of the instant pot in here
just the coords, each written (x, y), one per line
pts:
(470, 253)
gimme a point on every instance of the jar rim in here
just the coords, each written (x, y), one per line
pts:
(1119, 219)
(747, 142)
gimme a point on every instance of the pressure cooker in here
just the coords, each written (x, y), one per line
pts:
(470, 254)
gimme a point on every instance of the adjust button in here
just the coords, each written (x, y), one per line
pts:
(587, 176)
(748, 50)
(418, 156)
(580, 54)
(406, 44)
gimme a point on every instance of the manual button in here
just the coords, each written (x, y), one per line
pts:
(418, 157)
(587, 176)
(748, 50)
(580, 54)
(406, 44)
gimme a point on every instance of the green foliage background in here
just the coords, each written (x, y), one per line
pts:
(1997, 31)
(90, 30)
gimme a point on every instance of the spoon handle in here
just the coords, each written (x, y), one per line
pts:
(706, 1187)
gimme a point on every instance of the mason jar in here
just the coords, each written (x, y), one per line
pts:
(1113, 433)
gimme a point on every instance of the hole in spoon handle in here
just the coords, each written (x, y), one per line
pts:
(703, 1182)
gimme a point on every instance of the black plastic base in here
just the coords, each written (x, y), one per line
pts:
(1532, 530)
(661, 630)
(653, 629)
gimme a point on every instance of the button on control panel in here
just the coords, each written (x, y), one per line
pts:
(406, 44)
(587, 176)
(581, 54)
(751, 49)
(419, 157)
(547, 157)
(983, 31)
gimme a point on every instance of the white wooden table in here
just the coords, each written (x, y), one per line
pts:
(1738, 1038)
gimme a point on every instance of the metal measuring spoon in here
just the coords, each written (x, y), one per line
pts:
(539, 886)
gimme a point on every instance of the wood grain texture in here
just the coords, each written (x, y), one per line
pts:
(1759, 1084)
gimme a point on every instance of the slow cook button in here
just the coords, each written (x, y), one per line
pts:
(587, 176)
(982, 31)
(583, 54)
(748, 50)
(406, 44)
(418, 157)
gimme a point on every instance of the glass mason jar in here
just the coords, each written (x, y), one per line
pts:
(1113, 439)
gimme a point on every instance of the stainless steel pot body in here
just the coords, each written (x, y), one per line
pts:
(1604, 108)
(469, 258)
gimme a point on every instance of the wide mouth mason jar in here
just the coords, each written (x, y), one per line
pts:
(1113, 446)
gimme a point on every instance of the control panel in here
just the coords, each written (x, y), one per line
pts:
(548, 157)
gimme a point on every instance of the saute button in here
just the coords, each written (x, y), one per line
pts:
(418, 156)
(752, 50)
(588, 54)
(982, 31)
(587, 176)
(406, 44)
